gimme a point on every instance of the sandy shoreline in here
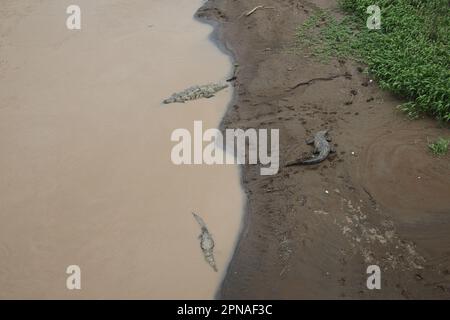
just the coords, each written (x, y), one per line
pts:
(383, 199)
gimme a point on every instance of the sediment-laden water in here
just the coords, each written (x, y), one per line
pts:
(86, 176)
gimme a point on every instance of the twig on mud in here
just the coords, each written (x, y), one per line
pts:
(255, 9)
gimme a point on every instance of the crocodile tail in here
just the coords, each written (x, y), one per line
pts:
(314, 160)
(209, 257)
(294, 163)
(311, 161)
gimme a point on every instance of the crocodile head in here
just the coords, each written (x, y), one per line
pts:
(322, 134)
(170, 100)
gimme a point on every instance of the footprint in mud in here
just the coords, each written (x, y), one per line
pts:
(402, 175)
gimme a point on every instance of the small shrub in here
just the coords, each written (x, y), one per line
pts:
(439, 147)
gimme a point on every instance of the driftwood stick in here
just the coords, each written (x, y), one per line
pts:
(253, 10)
(257, 8)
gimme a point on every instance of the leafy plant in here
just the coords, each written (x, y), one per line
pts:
(440, 146)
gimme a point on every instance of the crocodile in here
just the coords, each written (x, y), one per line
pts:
(196, 92)
(206, 243)
(322, 149)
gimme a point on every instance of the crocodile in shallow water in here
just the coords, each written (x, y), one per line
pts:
(196, 92)
(322, 149)
(206, 243)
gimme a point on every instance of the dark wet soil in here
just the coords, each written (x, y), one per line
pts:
(383, 199)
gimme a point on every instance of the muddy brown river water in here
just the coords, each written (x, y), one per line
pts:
(86, 176)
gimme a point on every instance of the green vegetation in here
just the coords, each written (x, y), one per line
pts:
(440, 146)
(409, 55)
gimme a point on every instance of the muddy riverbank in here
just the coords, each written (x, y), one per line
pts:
(383, 199)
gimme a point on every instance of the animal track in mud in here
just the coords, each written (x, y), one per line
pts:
(312, 81)
(378, 243)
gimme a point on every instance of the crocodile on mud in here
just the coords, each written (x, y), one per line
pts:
(322, 149)
(206, 243)
(196, 92)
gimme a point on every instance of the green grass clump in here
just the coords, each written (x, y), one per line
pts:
(409, 56)
(440, 146)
